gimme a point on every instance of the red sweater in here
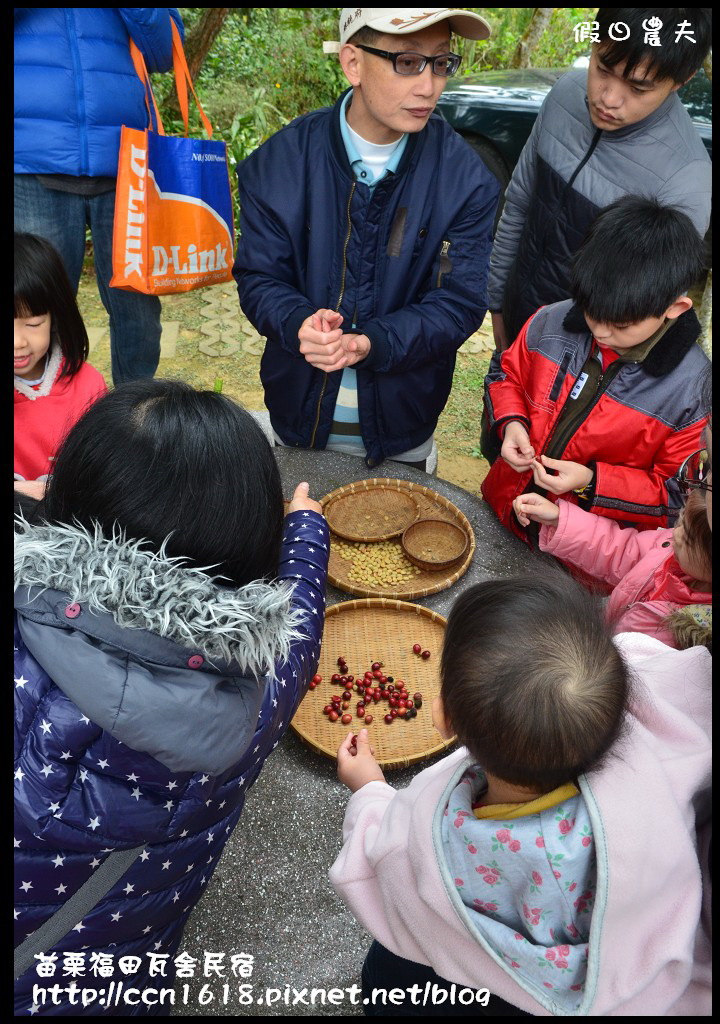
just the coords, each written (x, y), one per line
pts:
(45, 413)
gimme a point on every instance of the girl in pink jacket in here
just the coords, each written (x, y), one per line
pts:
(547, 867)
(54, 383)
(653, 573)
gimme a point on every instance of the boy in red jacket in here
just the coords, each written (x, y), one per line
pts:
(599, 400)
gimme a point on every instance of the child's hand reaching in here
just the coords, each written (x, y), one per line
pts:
(516, 448)
(357, 765)
(537, 508)
(568, 475)
(301, 500)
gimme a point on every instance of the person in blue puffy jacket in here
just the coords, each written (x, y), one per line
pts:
(167, 626)
(75, 85)
(364, 245)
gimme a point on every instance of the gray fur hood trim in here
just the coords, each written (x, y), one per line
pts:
(253, 626)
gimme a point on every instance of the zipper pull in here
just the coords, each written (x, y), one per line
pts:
(445, 248)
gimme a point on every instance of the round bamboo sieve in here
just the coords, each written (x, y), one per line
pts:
(370, 511)
(431, 505)
(383, 630)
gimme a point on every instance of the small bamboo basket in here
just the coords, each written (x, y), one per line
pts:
(434, 544)
(382, 630)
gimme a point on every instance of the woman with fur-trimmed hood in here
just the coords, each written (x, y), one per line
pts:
(160, 654)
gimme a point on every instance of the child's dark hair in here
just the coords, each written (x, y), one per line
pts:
(637, 258)
(532, 683)
(698, 535)
(43, 286)
(160, 459)
(674, 60)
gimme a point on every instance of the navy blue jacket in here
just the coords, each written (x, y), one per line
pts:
(406, 262)
(147, 699)
(75, 83)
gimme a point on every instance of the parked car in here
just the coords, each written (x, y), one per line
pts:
(495, 111)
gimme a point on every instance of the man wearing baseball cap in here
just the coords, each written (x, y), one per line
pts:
(365, 241)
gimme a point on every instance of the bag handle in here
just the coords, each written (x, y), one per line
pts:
(182, 78)
(142, 72)
(74, 910)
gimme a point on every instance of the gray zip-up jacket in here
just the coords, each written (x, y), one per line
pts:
(568, 171)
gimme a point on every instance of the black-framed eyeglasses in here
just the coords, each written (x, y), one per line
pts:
(694, 471)
(415, 63)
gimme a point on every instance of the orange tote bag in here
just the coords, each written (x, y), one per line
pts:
(173, 228)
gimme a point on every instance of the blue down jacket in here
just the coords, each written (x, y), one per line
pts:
(406, 262)
(75, 83)
(144, 722)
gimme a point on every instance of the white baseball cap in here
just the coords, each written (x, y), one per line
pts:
(391, 21)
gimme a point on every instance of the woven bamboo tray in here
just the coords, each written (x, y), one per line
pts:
(431, 505)
(383, 630)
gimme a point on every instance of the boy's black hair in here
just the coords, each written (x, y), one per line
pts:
(637, 258)
(162, 460)
(43, 286)
(531, 681)
(674, 60)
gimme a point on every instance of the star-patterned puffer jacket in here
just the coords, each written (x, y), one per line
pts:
(147, 698)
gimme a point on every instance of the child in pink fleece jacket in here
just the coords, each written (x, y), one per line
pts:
(653, 573)
(551, 860)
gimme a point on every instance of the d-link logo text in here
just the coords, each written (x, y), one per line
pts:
(197, 262)
(135, 214)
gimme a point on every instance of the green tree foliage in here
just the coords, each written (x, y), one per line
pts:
(266, 66)
(556, 49)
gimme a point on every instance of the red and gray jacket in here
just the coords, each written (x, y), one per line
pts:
(645, 419)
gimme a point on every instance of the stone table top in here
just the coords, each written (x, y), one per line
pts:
(498, 553)
(270, 896)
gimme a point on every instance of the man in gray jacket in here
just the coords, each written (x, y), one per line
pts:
(623, 130)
